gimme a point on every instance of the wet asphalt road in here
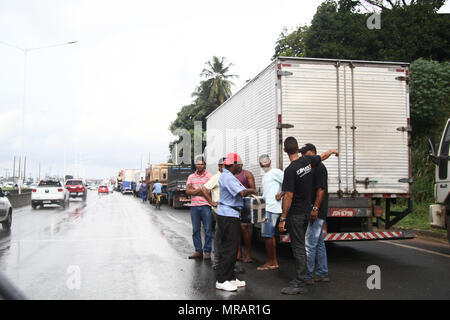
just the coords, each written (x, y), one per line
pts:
(116, 247)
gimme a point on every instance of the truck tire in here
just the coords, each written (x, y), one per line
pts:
(8, 222)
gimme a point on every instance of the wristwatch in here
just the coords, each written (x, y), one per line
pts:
(315, 208)
(282, 219)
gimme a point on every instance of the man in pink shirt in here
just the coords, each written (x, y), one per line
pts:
(200, 210)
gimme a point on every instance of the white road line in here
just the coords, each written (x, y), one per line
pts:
(417, 249)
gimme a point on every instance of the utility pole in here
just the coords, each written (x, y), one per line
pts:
(25, 169)
(14, 170)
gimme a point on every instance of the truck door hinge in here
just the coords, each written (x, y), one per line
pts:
(408, 128)
(284, 73)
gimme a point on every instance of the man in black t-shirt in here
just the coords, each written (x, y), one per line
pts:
(297, 188)
(315, 244)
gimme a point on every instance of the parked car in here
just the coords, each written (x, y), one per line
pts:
(49, 192)
(5, 211)
(103, 189)
(76, 188)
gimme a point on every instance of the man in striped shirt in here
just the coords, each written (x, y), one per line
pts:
(200, 210)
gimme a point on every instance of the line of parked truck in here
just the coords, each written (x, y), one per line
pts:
(172, 177)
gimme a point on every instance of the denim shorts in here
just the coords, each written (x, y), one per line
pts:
(268, 228)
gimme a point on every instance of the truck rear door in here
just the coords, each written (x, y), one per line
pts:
(360, 108)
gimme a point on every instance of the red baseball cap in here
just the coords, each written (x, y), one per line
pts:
(232, 158)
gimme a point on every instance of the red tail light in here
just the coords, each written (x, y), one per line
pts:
(60, 190)
(34, 190)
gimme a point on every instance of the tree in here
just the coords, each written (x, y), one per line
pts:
(409, 30)
(291, 44)
(213, 90)
(216, 88)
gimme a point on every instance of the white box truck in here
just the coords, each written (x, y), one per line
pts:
(358, 107)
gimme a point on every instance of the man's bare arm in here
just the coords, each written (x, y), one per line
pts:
(280, 195)
(319, 198)
(288, 196)
(327, 154)
(207, 194)
(190, 191)
(247, 192)
(251, 179)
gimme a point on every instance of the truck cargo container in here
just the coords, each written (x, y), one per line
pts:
(358, 107)
(176, 185)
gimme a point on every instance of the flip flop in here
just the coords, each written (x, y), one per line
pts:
(263, 268)
(248, 260)
(273, 267)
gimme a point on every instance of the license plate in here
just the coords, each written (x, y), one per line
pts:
(46, 202)
(340, 212)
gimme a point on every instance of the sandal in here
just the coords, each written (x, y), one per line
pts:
(263, 268)
(248, 260)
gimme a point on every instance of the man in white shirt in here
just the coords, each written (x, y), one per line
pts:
(271, 183)
(211, 191)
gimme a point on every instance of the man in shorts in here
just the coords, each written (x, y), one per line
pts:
(271, 184)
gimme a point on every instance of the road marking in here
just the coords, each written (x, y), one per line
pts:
(417, 249)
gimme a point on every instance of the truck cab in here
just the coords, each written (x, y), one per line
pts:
(440, 211)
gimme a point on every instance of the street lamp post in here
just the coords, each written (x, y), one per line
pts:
(25, 51)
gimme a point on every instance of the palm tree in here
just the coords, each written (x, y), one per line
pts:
(216, 88)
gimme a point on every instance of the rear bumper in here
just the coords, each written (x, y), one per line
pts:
(360, 236)
(41, 202)
(77, 194)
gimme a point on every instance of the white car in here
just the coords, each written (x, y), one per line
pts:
(5, 211)
(49, 192)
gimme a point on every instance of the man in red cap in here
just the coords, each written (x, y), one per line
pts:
(228, 222)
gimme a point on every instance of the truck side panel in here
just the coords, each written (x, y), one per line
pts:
(246, 124)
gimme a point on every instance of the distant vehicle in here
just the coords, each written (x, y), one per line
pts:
(158, 172)
(49, 192)
(5, 211)
(440, 212)
(103, 189)
(126, 187)
(129, 175)
(76, 188)
(176, 185)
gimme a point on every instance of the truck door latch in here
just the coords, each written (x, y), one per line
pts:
(366, 182)
(284, 73)
(408, 128)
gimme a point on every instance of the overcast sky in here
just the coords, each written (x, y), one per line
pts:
(109, 99)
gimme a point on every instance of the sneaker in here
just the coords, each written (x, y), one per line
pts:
(207, 256)
(309, 281)
(226, 286)
(322, 279)
(294, 290)
(238, 283)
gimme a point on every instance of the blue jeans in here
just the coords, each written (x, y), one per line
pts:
(316, 253)
(201, 214)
